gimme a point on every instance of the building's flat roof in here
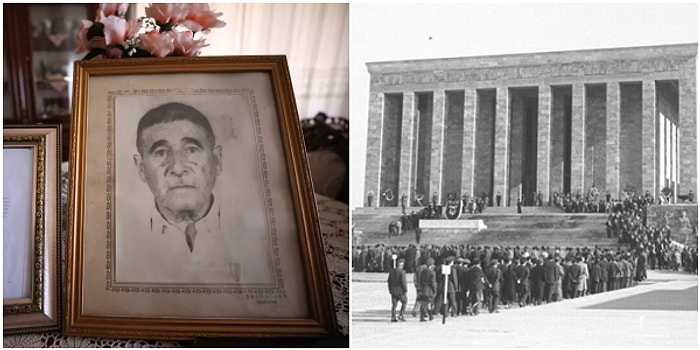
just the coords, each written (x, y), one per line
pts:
(538, 58)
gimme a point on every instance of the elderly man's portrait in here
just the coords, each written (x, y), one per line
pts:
(186, 213)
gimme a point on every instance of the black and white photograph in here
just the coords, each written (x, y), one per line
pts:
(524, 175)
(180, 218)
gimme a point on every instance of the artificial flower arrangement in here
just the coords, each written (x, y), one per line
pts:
(166, 30)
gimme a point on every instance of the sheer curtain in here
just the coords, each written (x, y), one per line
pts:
(315, 38)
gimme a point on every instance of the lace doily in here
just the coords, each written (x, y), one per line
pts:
(334, 226)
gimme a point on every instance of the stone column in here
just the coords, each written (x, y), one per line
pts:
(661, 152)
(437, 144)
(669, 153)
(408, 138)
(666, 177)
(501, 146)
(649, 137)
(612, 142)
(687, 133)
(468, 142)
(674, 161)
(544, 143)
(374, 148)
(578, 138)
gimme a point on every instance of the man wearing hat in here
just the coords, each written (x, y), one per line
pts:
(428, 289)
(452, 287)
(475, 278)
(493, 278)
(397, 289)
(417, 285)
(462, 287)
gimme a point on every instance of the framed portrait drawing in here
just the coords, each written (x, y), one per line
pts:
(192, 212)
(31, 229)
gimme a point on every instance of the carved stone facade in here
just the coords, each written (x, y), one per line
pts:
(526, 124)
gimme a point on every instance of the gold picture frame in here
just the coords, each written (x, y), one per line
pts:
(165, 149)
(31, 228)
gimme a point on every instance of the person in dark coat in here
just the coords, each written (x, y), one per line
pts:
(452, 287)
(573, 273)
(404, 200)
(398, 289)
(613, 270)
(428, 289)
(522, 282)
(493, 286)
(485, 258)
(462, 288)
(538, 282)
(595, 277)
(417, 285)
(475, 280)
(603, 274)
(551, 278)
(411, 258)
(641, 271)
(508, 290)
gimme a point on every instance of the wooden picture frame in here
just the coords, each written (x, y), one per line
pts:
(164, 149)
(31, 228)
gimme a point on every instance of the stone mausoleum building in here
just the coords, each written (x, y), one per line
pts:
(520, 124)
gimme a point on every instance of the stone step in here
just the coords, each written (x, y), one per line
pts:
(525, 210)
(380, 223)
(496, 237)
(503, 228)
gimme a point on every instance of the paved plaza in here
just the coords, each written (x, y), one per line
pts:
(660, 312)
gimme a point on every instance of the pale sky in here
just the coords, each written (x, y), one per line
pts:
(389, 32)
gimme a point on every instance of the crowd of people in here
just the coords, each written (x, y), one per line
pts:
(628, 222)
(493, 277)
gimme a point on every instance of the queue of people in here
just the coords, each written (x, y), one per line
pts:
(490, 278)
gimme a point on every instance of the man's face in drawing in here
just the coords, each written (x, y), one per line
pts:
(180, 165)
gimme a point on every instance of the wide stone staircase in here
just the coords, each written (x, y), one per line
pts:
(539, 226)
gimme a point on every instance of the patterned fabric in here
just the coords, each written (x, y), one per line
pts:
(334, 226)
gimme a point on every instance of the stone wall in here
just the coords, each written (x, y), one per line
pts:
(687, 128)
